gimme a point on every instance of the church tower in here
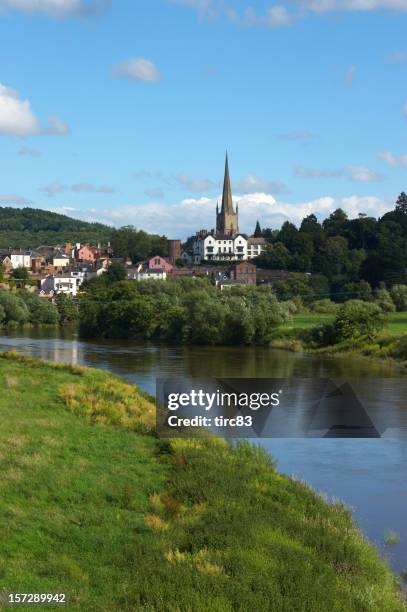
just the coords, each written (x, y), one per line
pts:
(227, 220)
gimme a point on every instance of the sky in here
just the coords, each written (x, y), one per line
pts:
(121, 111)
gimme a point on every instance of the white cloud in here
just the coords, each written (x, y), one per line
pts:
(392, 160)
(57, 8)
(253, 183)
(361, 174)
(196, 185)
(53, 188)
(90, 188)
(56, 187)
(274, 17)
(17, 118)
(137, 69)
(7, 199)
(28, 152)
(316, 172)
(286, 12)
(325, 6)
(184, 218)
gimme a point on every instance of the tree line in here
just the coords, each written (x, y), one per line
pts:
(345, 255)
(182, 310)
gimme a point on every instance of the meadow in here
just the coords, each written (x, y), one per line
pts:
(94, 505)
(397, 324)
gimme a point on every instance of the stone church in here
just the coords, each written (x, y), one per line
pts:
(226, 243)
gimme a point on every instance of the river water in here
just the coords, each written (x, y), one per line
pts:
(369, 475)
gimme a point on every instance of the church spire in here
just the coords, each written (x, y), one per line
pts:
(227, 220)
(227, 202)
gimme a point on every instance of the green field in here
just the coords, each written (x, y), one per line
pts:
(397, 322)
(93, 504)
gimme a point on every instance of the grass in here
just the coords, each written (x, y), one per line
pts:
(397, 324)
(94, 505)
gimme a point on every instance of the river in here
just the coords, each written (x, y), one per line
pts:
(368, 475)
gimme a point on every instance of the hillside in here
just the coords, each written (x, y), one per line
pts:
(94, 505)
(30, 227)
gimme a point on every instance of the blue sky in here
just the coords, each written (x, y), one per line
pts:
(121, 111)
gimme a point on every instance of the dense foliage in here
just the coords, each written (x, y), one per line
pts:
(137, 244)
(22, 308)
(187, 310)
(345, 252)
(30, 227)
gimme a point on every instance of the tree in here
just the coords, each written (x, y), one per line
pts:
(310, 225)
(276, 257)
(401, 204)
(399, 296)
(257, 231)
(67, 309)
(383, 299)
(336, 223)
(20, 275)
(14, 308)
(356, 319)
(116, 272)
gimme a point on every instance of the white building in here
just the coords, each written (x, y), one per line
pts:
(226, 248)
(20, 259)
(67, 283)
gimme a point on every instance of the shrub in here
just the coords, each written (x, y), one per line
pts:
(383, 299)
(325, 306)
(357, 318)
(399, 297)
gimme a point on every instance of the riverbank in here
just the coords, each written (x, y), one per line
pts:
(391, 348)
(98, 507)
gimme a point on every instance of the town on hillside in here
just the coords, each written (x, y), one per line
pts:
(224, 254)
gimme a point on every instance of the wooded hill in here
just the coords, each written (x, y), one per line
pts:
(30, 227)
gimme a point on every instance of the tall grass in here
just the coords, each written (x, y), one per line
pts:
(95, 505)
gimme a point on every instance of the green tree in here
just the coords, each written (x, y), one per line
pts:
(67, 308)
(399, 296)
(115, 272)
(14, 307)
(20, 275)
(257, 231)
(356, 318)
(383, 299)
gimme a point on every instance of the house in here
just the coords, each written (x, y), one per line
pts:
(159, 263)
(215, 247)
(5, 260)
(62, 283)
(244, 273)
(60, 260)
(255, 247)
(84, 253)
(20, 259)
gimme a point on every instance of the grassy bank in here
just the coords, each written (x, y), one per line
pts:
(397, 324)
(390, 345)
(92, 504)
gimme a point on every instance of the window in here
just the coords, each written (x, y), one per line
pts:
(157, 261)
